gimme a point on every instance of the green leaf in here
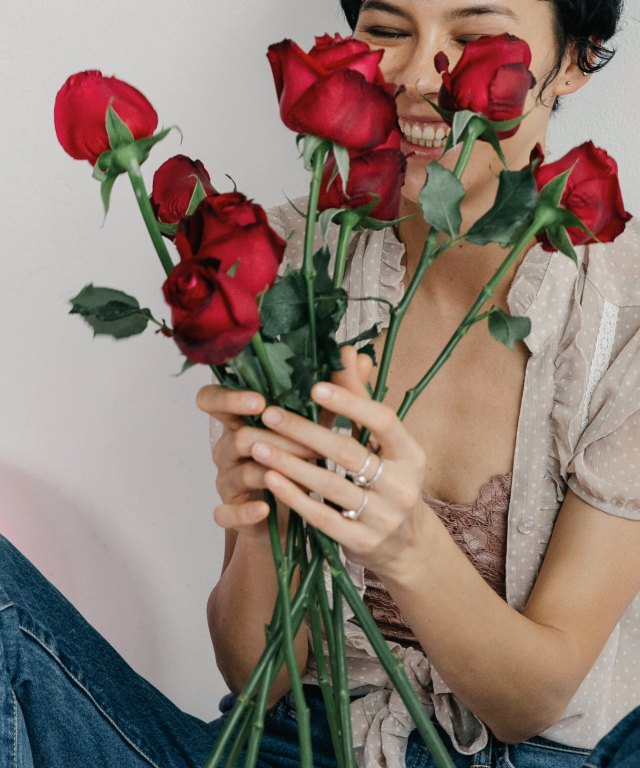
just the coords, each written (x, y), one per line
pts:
(559, 238)
(278, 353)
(284, 306)
(171, 230)
(185, 367)
(105, 192)
(197, 197)
(342, 422)
(461, 122)
(249, 367)
(440, 200)
(110, 312)
(117, 130)
(551, 194)
(325, 219)
(513, 208)
(309, 147)
(303, 376)
(489, 135)
(323, 281)
(508, 329)
(370, 350)
(299, 340)
(371, 333)
(341, 155)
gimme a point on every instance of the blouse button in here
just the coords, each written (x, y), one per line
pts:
(527, 525)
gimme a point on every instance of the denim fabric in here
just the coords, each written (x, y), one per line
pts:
(621, 747)
(68, 700)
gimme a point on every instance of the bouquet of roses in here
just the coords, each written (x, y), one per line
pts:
(274, 331)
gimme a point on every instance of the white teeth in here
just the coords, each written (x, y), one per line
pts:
(429, 133)
(416, 132)
(440, 133)
(438, 143)
(424, 137)
(422, 142)
(429, 143)
(448, 131)
(407, 129)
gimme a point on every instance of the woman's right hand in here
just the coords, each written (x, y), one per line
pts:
(240, 480)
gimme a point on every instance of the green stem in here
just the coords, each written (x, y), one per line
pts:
(474, 130)
(393, 668)
(321, 663)
(341, 682)
(349, 221)
(298, 609)
(135, 175)
(308, 268)
(282, 571)
(471, 318)
(257, 717)
(243, 735)
(261, 352)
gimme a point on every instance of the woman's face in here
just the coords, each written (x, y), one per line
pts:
(412, 32)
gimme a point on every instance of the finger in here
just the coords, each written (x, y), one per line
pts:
(365, 367)
(227, 404)
(349, 533)
(242, 441)
(328, 485)
(234, 482)
(380, 419)
(241, 516)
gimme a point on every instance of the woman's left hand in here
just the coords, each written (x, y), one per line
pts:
(388, 533)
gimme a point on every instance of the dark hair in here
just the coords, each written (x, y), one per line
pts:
(586, 24)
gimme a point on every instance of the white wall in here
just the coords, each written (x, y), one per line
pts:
(105, 475)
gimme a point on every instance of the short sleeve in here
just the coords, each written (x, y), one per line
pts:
(605, 467)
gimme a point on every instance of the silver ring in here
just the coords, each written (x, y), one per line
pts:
(369, 483)
(354, 514)
(358, 476)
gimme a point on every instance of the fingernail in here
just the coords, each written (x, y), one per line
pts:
(273, 481)
(261, 450)
(321, 392)
(251, 403)
(272, 416)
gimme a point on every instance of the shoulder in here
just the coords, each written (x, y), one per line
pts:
(614, 268)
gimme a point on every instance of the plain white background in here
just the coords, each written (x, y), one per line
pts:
(106, 481)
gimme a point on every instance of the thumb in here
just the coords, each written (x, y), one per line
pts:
(356, 373)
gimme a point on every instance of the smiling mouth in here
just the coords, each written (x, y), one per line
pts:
(424, 135)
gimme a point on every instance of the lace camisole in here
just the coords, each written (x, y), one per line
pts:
(479, 529)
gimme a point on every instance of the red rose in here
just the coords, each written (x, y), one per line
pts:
(593, 193)
(231, 228)
(80, 113)
(492, 79)
(336, 91)
(214, 316)
(380, 172)
(173, 186)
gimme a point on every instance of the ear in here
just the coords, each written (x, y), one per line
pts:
(570, 78)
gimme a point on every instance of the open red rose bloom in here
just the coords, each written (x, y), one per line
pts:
(593, 193)
(492, 78)
(336, 91)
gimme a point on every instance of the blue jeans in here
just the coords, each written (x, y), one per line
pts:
(68, 700)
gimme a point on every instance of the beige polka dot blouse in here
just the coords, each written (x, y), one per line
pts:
(579, 428)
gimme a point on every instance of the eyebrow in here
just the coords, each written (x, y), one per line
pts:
(466, 12)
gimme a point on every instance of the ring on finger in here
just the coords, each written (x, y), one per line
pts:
(362, 482)
(358, 475)
(354, 514)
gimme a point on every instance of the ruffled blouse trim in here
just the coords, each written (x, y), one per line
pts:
(392, 271)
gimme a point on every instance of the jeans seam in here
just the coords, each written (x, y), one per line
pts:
(15, 730)
(590, 765)
(90, 696)
(6, 605)
(569, 750)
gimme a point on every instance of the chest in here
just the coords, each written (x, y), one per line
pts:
(466, 420)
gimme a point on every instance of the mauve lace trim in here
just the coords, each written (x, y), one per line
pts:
(479, 529)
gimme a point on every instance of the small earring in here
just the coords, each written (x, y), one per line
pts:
(568, 82)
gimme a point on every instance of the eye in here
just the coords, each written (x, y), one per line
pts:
(463, 40)
(385, 33)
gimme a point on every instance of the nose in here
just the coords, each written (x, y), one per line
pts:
(413, 66)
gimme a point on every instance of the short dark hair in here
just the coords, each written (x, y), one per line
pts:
(588, 25)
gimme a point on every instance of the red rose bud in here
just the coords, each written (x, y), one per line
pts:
(214, 316)
(380, 172)
(492, 78)
(336, 91)
(232, 229)
(593, 193)
(80, 113)
(173, 185)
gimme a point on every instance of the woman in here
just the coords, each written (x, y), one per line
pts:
(501, 450)
(551, 658)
